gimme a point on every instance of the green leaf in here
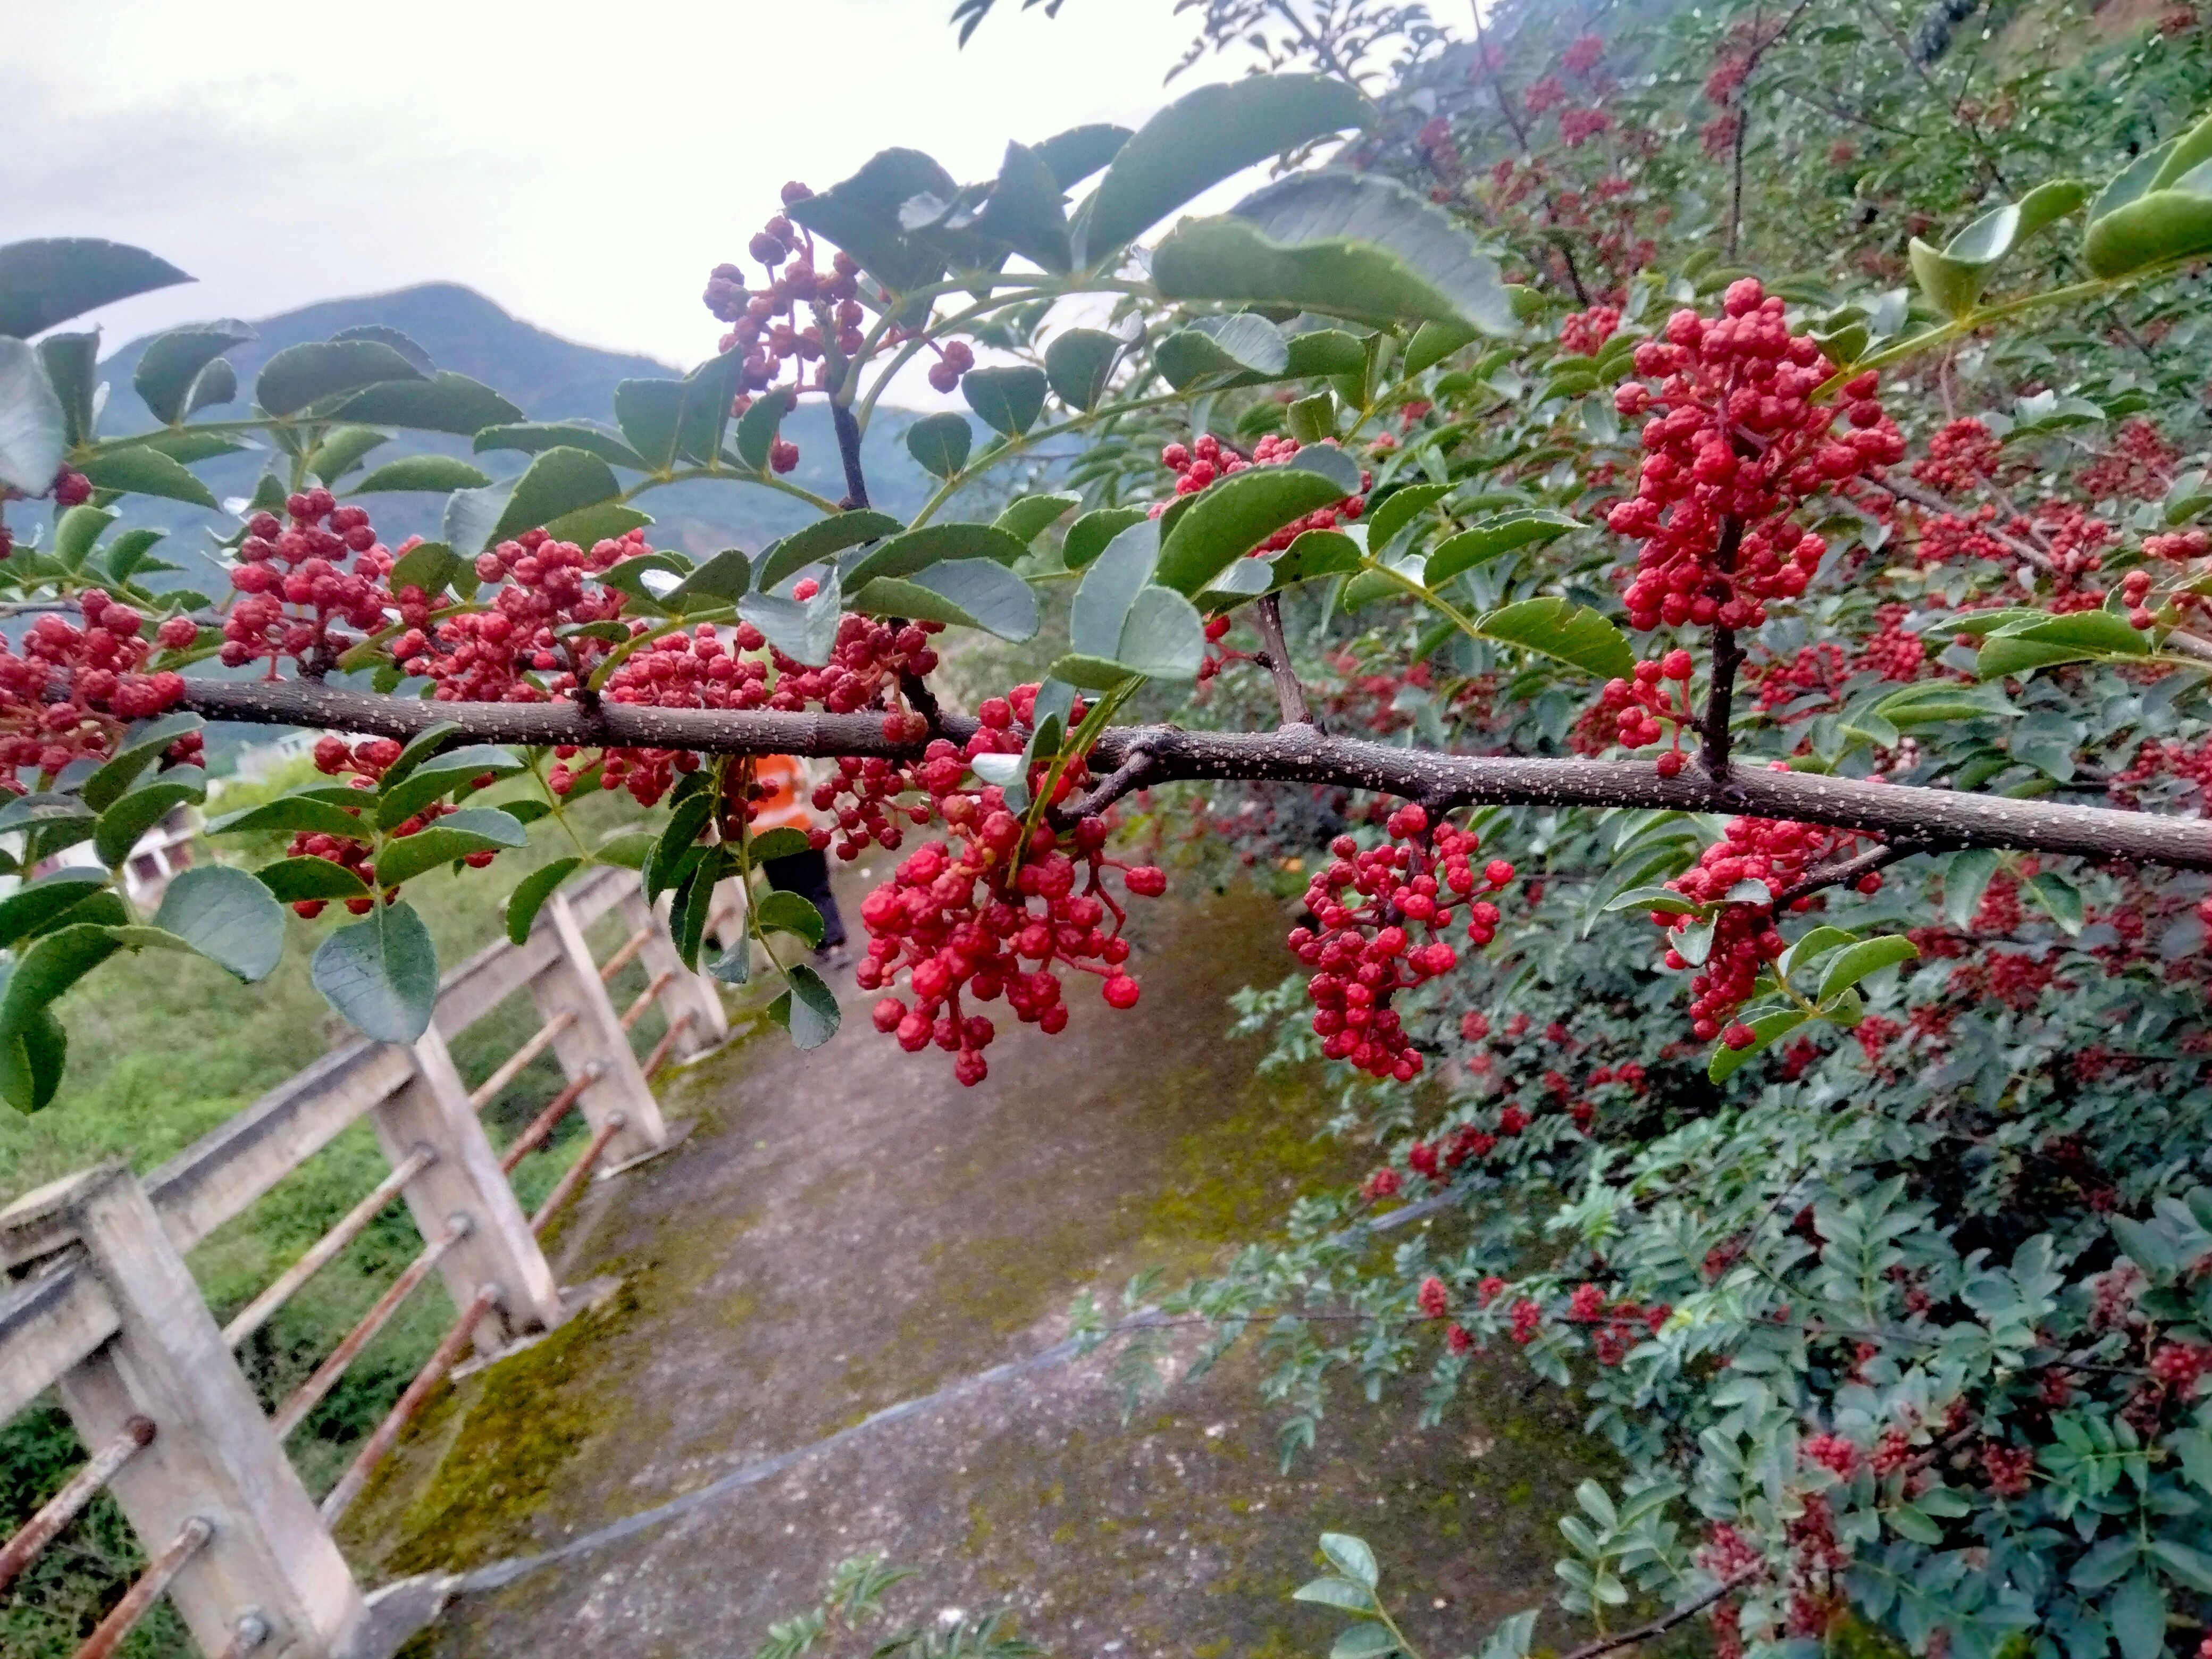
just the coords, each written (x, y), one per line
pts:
(649, 412)
(1965, 877)
(1653, 898)
(43, 808)
(789, 912)
(292, 815)
(1110, 587)
(1855, 963)
(601, 521)
(2159, 225)
(294, 880)
(1202, 138)
(940, 442)
(32, 432)
(1077, 364)
(758, 426)
(1434, 342)
(2137, 1615)
(1315, 554)
(559, 481)
(72, 362)
(2185, 154)
(965, 592)
(626, 850)
(80, 528)
(1351, 1556)
(1399, 508)
(2021, 648)
(630, 577)
(861, 215)
(1009, 400)
(121, 825)
(1229, 519)
(130, 553)
(531, 438)
(823, 540)
(431, 777)
(1312, 419)
(1028, 517)
(1025, 211)
(1075, 154)
(2192, 1567)
(430, 566)
(1088, 536)
(1334, 1592)
(430, 740)
(472, 830)
(772, 844)
(341, 451)
(145, 472)
(139, 748)
(1492, 537)
(1567, 632)
(1163, 637)
(381, 974)
(55, 278)
(1234, 348)
(32, 1062)
(39, 902)
(531, 895)
(319, 369)
(808, 1010)
(1952, 279)
(1932, 701)
(1369, 1641)
(805, 631)
(723, 580)
(2060, 898)
(914, 550)
(1764, 1032)
(440, 473)
(1511, 1639)
(1441, 276)
(445, 401)
(1810, 947)
(227, 916)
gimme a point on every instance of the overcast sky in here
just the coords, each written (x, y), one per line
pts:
(583, 165)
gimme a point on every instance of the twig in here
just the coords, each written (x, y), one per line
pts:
(1666, 1621)
(1290, 695)
(848, 449)
(1865, 864)
(1297, 755)
(1132, 774)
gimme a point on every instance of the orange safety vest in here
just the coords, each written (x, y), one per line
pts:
(786, 805)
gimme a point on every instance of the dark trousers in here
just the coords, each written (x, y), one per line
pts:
(807, 874)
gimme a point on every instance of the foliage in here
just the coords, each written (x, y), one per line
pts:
(852, 1604)
(1879, 1262)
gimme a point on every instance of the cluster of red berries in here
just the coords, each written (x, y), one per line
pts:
(70, 692)
(1617, 1326)
(1738, 438)
(764, 322)
(490, 656)
(296, 585)
(1583, 332)
(1199, 463)
(1775, 852)
(1658, 692)
(2179, 545)
(1381, 914)
(866, 666)
(1963, 453)
(993, 914)
(954, 359)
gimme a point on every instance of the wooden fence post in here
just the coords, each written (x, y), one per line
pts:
(465, 1182)
(595, 1045)
(214, 1456)
(688, 993)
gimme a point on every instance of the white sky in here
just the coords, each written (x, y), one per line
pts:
(585, 166)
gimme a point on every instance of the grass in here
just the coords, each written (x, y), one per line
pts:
(162, 1049)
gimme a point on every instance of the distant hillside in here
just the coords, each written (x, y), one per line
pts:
(550, 379)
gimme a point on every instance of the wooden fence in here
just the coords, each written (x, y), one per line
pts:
(98, 1302)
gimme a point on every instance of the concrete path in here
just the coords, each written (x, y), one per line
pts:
(851, 1229)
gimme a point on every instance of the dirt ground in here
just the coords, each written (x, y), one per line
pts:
(850, 1229)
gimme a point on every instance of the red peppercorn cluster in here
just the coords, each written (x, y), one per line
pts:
(70, 691)
(865, 667)
(968, 918)
(1775, 852)
(1658, 696)
(954, 359)
(2179, 545)
(361, 764)
(1737, 435)
(1373, 906)
(295, 585)
(1199, 463)
(490, 655)
(1962, 454)
(764, 322)
(1583, 332)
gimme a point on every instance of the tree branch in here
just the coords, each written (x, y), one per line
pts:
(1728, 658)
(848, 449)
(1665, 1622)
(1292, 755)
(1290, 695)
(1852, 869)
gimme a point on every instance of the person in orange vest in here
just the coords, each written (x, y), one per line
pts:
(785, 806)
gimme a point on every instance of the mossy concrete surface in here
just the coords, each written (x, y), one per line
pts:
(849, 1229)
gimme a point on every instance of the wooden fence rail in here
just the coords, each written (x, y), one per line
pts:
(96, 1302)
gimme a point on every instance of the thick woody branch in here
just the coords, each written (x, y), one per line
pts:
(1291, 755)
(1728, 658)
(1290, 695)
(1134, 772)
